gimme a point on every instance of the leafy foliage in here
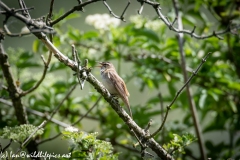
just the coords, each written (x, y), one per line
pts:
(178, 143)
(86, 146)
(20, 133)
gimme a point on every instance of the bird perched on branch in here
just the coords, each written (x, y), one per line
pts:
(114, 83)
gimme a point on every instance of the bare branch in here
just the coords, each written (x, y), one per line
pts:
(162, 115)
(49, 16)
(193, 31)
(75, 8)
(32, 24)
(111, 12)
(122, 16)
(156, 5)
(24, 8)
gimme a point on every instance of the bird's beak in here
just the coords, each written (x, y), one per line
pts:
(100, 64)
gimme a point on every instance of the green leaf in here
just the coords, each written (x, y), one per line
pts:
(90, 35)
(56, 66)
(26, 55)
(36, 46)
(27, 64)
(28, 84)
(234, 85)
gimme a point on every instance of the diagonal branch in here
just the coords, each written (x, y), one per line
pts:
(178, 93)
(114, 15)
(61, 103)
(83, 116)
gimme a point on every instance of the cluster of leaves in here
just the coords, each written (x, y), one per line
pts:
(178, 143)
(20, 133)
(87, 146)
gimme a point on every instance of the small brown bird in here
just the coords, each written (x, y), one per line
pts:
(114, 83)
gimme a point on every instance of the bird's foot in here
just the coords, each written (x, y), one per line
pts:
(115, 98)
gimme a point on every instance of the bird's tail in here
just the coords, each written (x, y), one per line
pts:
(126, 102)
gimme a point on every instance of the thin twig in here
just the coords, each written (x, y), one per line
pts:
(49, 139)
(122, 16)
(30, 8)
(63, 100)
(46, 64)
(75, 8)
(110, 11)
(126, 147)
(77, 60)
(162, 114)
(149, 125)
(49, 16)
(178, 93)
(141, 8)
(95, 104)
(24, 8)
(139, 141)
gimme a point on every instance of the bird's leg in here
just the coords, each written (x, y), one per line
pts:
(115, 97)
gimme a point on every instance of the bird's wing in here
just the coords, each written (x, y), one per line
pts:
(120, 85)
(121, 88)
